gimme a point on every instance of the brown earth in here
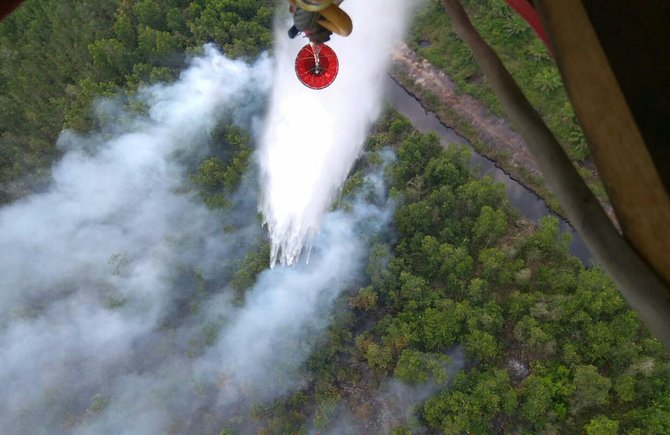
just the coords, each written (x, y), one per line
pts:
(493, 131)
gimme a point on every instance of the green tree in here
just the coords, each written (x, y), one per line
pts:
(536, 400)
(415, 292)
(477, 193)
(449, 168)
(482, 346)
(591, 388)
(111, 59)
(441, 327)
(625, 388)
(472, 403)
(414, 154)
(478, 290)
(416, 367)
(150, 13)
(377, 268)
(495, 266)
(489, 227)
(210, 174)
(533, 338)
(655, 416)
(602, 425)
(156, 47)
(399, 333)
(548, 240)
(365, 300)
(414, 218)
(379, 357)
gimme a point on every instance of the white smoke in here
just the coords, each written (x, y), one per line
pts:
(312, 138)
(266, 343)
(89, 269)
(114, 193)
(116, 316)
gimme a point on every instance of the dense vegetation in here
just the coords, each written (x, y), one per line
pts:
(521, 50)
(529, 62)
(550, 345)
(57, 57)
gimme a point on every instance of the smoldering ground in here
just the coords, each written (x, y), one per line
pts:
(100, 332)
(394, 404)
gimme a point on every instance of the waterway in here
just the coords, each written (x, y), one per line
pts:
(526, 201)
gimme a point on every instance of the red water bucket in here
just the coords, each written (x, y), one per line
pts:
(316, 66)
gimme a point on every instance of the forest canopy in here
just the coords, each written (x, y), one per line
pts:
(550, 345)
(490, 313)
(57, 57)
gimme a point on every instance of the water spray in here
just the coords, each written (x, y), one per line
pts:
(312, 138)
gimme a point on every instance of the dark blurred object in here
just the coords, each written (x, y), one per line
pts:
(7, 6)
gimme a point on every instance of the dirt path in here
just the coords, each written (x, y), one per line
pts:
(493, 130)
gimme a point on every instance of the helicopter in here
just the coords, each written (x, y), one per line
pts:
(316, 64)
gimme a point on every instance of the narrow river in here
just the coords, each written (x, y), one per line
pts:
(529, 204)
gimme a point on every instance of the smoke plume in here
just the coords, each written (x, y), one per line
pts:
(117, 314)
(312, 138)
